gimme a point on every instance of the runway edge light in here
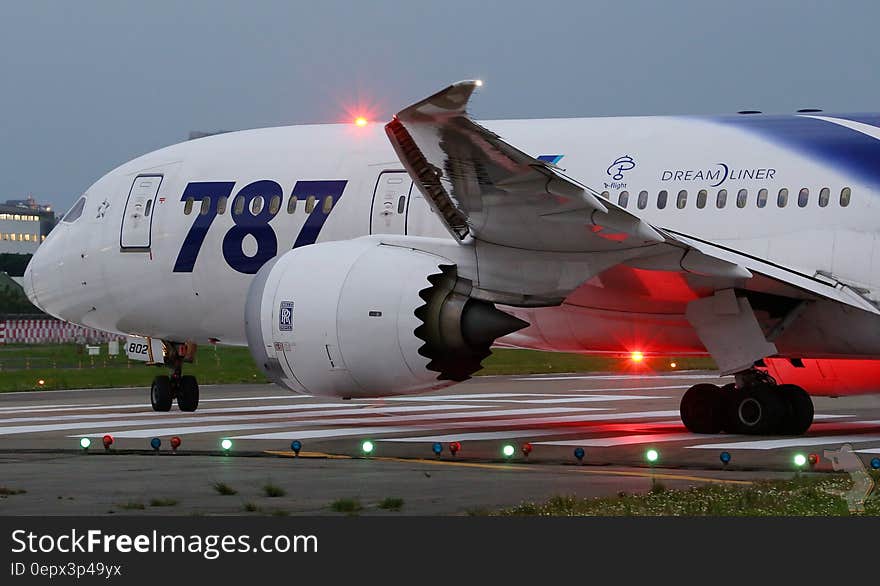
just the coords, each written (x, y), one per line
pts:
(226, 444)
(108, 441)
(156, 443)
(875, 463)
(652, 455)
(725, 458)
(526, 449)
(437, 448)
(367, 447)
(84, 443)
(508, 450)
(454, 448)
(296, 446)
(175, 443)
(579, 453)
(800, 460)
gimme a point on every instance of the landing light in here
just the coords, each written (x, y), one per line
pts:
(800, 460)
(508, 450)
(478, 82)
(367, 447)
(360, 121)
(84, 443)
(226, 444)
(652, 456)
(637, 356)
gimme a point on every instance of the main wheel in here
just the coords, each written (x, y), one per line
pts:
(701, 409)
(160, 393)
(188, 395)
(799, 417)
(756, 410)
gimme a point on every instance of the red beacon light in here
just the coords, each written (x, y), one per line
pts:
(175, 443)
(360, 121)
(637, 356)
(108, 441)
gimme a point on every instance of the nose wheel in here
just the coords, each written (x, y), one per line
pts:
(756, 406)
(185, 388)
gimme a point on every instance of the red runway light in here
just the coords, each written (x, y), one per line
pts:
(108, 441)
(175, 442)
(526, 449)
(813, 459)
(454, 447)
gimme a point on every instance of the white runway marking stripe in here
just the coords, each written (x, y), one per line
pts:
(790, 442)
(623, 440)
(538, 378)
(294, 434)
(475, 436)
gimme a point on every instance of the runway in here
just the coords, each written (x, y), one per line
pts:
(615, 419)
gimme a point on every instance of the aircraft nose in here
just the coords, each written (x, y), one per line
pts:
(28, 281)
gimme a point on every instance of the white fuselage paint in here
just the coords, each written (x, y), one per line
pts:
(81, 274)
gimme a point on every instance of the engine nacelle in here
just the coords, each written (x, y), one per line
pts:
(359, 318)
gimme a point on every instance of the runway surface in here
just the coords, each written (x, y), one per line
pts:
(614, 418)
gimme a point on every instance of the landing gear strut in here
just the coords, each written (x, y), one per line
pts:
(184, 388)
(755, 405)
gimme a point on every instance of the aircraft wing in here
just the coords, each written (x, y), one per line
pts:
(486, 189)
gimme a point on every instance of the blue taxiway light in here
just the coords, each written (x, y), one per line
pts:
(155, 443)
(875, 463)
(579, 453)
(437, 448)
(725, 457)
(296, 446)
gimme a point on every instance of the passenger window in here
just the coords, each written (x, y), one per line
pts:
(274, 204)
(845, 196)
(661, 199)
(643, 200)
(803, 197)
(721, 201)
(824, 197)
(238, 206)
(149, 208)
(701, 198)
(623, 199)
(221, 205)
(682, 199)
(742, 198)
(291, 204)
(762, 198)
(257, 205)
(75, 212)
(310, 204)
(206, 206)
(188, 206)
(328, 204)
(605, 194)
(782, 198)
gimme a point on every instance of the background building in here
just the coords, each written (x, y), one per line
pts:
(24, 224)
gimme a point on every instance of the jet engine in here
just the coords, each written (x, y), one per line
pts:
(360, 318)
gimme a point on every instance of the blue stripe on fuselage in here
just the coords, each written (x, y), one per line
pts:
(308, 234)
(849, 150)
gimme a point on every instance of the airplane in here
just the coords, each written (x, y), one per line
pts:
(365, 260)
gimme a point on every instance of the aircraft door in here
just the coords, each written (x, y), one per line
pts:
(390, 203)
(137, 218)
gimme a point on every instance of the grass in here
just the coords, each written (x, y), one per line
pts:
(800, 496)
(61, 366)
(133, 506)
(273, 491)
(6, 491)
(224, 489)
(391, 504)
(163, 503)
(251, 507)
(346, 505)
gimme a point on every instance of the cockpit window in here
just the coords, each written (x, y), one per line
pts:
(75, 212)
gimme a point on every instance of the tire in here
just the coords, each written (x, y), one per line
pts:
(757, 410)
(188, 395)
(701, 409)
(160, 393)
(799, 416)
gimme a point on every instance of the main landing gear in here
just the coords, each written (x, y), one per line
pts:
(755, 405)
(184, 388)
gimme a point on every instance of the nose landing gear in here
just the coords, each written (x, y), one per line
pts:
(755, 405)
(185, 388)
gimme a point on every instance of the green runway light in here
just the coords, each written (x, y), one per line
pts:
(84, 443)
(226, 444)
(800, 460)
(508, 450)
(367, 447)
(652, 455)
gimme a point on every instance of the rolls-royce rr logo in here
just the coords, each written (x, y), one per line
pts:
(285, 316)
